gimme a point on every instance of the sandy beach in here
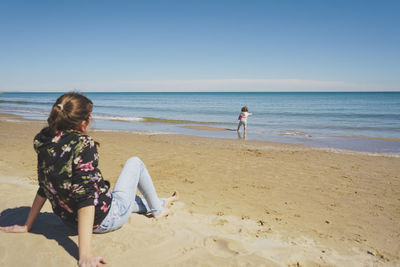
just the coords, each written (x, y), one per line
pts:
(242, 203)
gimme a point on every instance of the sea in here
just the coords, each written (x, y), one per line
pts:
(355, 121)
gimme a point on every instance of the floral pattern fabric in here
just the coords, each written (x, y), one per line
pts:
(68, 175)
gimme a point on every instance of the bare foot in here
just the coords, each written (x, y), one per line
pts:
(164, 213)
(174, 197)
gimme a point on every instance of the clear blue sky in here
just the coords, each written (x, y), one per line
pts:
(321, 45)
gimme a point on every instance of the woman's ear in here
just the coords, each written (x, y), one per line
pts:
(82, 127)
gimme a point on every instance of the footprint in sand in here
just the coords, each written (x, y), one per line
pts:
(224, 246)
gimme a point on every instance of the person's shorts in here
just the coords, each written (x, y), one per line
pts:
(243, 122)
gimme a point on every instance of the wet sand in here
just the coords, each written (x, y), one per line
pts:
(206, 128)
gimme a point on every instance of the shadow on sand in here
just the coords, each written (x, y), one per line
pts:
(46, 224)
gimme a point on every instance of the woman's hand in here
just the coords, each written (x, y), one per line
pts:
(37, 205)
(14, 229)
(92, 261)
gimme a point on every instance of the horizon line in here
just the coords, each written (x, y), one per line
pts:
(285, 91)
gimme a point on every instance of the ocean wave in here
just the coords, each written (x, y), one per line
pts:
(295, 133)
(117, 118)
(147, 119)
(348, 115)
(132, 131)
(23, 102)
(24, 110)
(153, 119)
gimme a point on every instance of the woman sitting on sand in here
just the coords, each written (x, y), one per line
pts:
(69, 178)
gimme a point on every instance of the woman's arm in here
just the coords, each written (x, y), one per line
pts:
(37, 205)
(85, 228)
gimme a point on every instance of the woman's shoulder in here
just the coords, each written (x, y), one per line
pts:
(44, 133)
(87, 140)
(82, 143)
(84, 136)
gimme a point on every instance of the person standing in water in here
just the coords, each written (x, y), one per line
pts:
(244, 114)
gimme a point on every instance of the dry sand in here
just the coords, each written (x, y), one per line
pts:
(241, 203)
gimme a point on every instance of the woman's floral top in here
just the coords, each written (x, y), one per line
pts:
(68, 175)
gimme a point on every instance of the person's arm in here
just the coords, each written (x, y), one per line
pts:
(85, 228)
(37, 205)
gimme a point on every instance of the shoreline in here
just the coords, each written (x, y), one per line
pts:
(372, 138)
(211, 129)
(206, 128)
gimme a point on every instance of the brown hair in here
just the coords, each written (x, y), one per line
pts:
(68, 112)
(245, 109)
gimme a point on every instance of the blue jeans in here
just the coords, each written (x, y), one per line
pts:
(133, 176)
